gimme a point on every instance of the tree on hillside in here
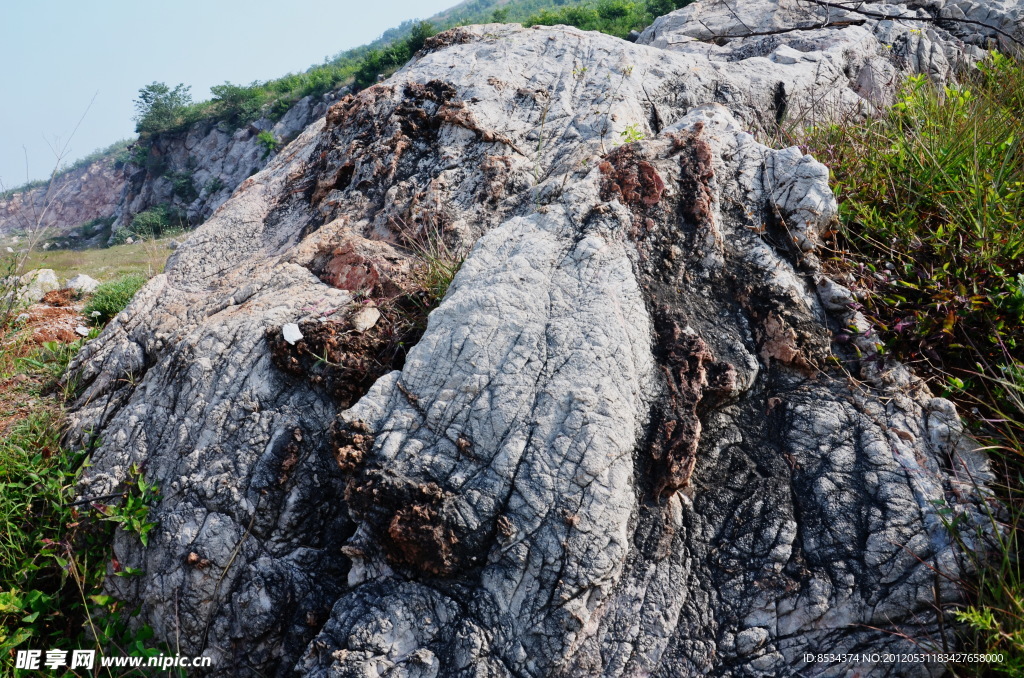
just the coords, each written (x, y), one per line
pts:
(159, 107)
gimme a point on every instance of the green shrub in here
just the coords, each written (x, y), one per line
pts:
(270, 144)
(159, 108)
(156, 222)
(239, 105)
(213, 185)
(388, 59)
(615, 17)
(111, 297)
(932, 202)
(183, 186)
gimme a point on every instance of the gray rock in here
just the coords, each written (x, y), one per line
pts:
(216, 159)
(619, 447)
(34, 285)
(82, 283)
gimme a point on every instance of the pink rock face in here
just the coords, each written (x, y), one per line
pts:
(349, 270)
(87, 193)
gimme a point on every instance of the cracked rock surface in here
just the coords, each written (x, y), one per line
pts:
(625, 443)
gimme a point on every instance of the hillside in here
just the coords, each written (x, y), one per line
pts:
(191, 156)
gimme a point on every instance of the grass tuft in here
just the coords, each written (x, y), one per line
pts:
(110, 298)
(931, 199)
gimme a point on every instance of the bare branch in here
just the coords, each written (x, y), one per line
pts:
(898, 17)
(779, 31)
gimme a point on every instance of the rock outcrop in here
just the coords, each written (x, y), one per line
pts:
(192, 171)
(196, 170)
(625, 444)
(77, 197)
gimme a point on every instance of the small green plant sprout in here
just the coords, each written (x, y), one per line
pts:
(579, 71)
(631, 134)
(270, 143)
(627, 71)
(133, 513)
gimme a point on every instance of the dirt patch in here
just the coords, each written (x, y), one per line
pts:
(785, 331)
(497, 169)
(369, 161)
(410, 521)
(453, 36)
(335, 356)
(631, 179)
(21, 384)
(696, 173)
(59, 298)
(47, 323)
(351, 443)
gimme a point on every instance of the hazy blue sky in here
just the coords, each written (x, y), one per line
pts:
(55, 55)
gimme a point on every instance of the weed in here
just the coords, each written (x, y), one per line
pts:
(632, 134)
(436, 263)
(214, 185)
(133, 512)
(932, 208)
(55, 549)
(932, 203)
(110, 298)
(269, 142)
(182, 186)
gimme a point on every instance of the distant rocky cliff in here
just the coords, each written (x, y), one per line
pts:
(626, 443)
(196, 170)
(82, 195)
(192, 172)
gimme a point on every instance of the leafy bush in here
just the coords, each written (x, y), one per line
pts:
(156, 222)
(239, 105)
(932, 201)
(388, 59)
(183, 186)
(110, 298)
(213, 185)
(55, 550)
(160, 108)
(270, 144)
(615, 17)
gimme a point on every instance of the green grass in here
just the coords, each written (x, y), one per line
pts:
(111, 297)
(146, 257)
(931, 202)
(54, 550)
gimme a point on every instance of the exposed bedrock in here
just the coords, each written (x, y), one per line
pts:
(625, 443)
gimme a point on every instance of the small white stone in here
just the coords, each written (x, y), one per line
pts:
(82, 331)
(366, 318)
(10, 250)
(129, 240)
(291, 333)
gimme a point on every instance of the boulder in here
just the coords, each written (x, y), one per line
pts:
(34, 285)
(624, 443)
(82, 284)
